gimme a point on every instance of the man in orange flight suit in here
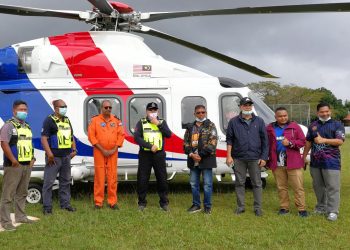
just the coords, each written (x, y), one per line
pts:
(106, 134)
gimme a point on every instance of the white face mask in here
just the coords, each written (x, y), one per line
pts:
(247, 112)
(324, 120)
(153, 115)
(200, 120)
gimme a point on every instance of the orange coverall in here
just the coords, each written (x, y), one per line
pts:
(108, 134)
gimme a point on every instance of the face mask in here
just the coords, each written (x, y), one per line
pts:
(153, 115)
(324, 120)
(62, 111)
(200, 120)
(21, 115)
(244, 112)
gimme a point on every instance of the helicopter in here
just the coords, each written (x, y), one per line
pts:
(111, 62)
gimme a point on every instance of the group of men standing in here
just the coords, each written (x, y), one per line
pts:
(250, 146)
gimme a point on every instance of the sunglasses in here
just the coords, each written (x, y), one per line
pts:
(64, 106)
(200, 112)
(107, 107)
(152, 109)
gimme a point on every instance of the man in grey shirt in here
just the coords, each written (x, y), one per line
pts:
(16, 142)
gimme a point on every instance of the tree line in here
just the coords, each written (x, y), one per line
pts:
(273, 93)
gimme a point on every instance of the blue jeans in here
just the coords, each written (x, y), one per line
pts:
(208, 186)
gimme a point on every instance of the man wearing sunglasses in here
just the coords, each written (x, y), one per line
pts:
(149, 134)
(247, 149)
(106, 134)
(200, 141)
(59, 145)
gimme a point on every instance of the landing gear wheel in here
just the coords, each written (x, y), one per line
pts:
(34, 193)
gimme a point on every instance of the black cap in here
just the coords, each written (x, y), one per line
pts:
(152, 105)
(246, 100)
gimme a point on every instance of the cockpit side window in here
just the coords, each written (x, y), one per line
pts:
(229, 108)
(187, 108)
(25, 59)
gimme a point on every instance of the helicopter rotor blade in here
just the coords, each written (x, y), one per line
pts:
(234, 62)
(26, 11)
(304, 8)
(103, 6)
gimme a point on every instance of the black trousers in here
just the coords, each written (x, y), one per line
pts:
(147, 160)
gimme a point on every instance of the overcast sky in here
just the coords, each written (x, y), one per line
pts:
(309, 50)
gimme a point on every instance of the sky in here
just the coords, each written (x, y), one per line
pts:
(309, 50)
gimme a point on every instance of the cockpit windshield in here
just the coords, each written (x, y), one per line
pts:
(262, 109)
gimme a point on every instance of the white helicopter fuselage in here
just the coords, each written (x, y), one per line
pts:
(85, 68)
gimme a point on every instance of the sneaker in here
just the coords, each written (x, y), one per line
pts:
(69, 209)
(9, 227)
(207, 210)
(283, 211)
(47, 211)
(97, 207)
(258, 212)
(303, 214)
(332, 217)
(114, 207)
(165, 208)
(26, 220)
(239, 211)
(141, 208)
(194, 209)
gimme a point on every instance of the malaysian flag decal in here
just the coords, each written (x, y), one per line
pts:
(142, 70)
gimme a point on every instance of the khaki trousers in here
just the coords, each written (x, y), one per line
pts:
(14, 189)
(295, 178)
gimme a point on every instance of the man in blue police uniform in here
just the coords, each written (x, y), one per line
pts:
(324, 137)
(149, 135)
(16, 142)
(59, 145)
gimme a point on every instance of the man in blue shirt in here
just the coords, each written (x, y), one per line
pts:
(247, 149)
(324, 137)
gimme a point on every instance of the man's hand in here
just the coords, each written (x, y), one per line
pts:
(31, 164)
(154, 148)
(319, 139)
(229, 161)
(285, 142)
(196, 157)
(15, 164)
(72, 154)
(51, 159)
(155, 121)
(262, 163)
(105, 152)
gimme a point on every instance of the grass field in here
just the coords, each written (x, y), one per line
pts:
(154, 229)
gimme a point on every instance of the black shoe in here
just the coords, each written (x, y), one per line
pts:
(70, 209)
(283, 211)
(207, 210)
(114, 207)
(141, 208)
(47, 212)
(303, 214)
(194, 209)
(9, 227)
(165, 208)
(239, 211)
(97, 207)
(258, 212)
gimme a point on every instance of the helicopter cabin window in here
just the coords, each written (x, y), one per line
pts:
(187, 108)
(229, 109)
(137, 109)
(25, 59)
(93, 107)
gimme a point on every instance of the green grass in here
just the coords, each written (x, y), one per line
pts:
(154, 229)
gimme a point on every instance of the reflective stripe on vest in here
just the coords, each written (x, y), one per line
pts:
(24, 142)
(151, 134)
(63, 138)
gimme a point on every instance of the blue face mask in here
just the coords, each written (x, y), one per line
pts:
(21, 115)
(62, 111)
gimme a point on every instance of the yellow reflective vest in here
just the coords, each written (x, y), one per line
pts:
(63, 138)
(151, 134)
(21, 144)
